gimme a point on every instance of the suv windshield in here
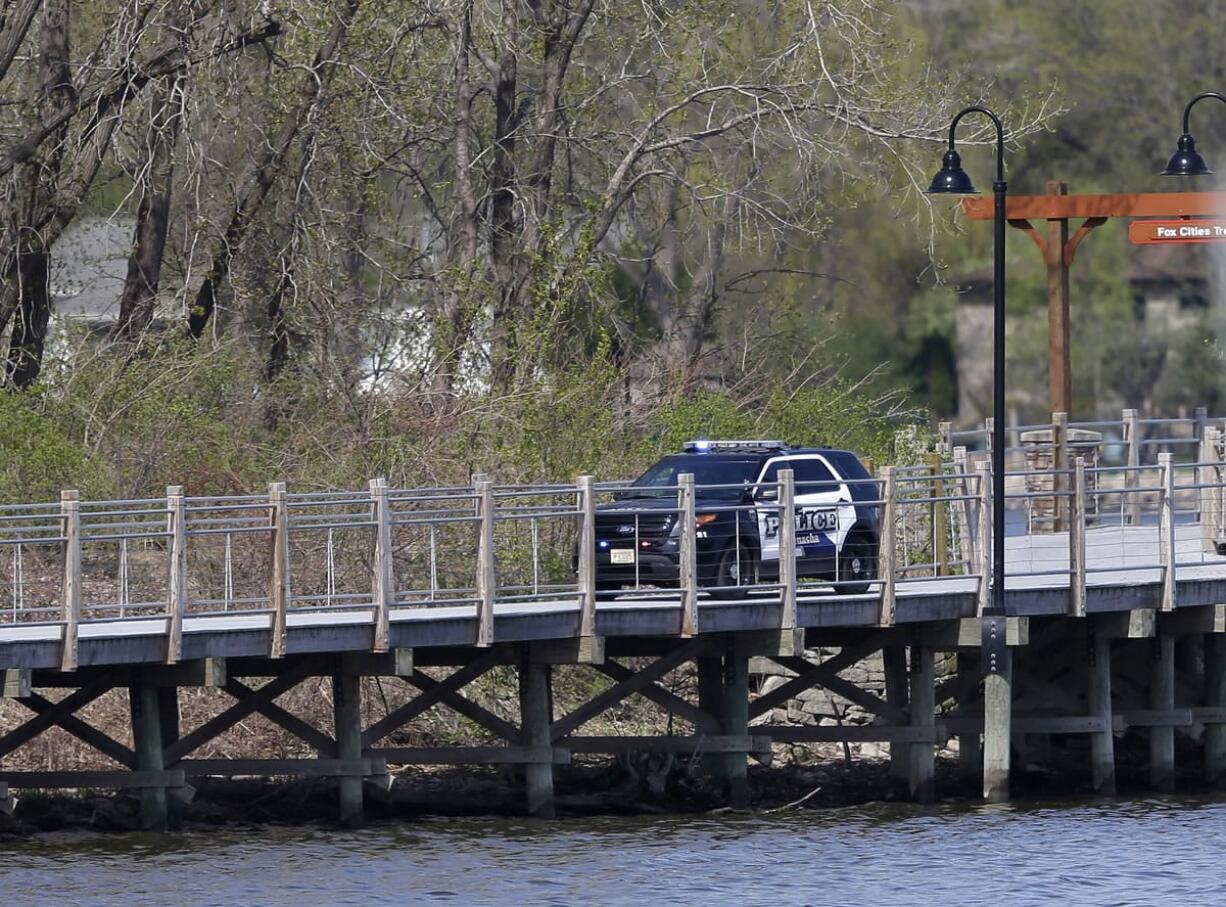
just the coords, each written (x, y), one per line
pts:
(660, 481)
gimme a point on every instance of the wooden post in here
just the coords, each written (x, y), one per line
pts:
(940, 522)
(1098, 697)
(168, 726)
(962, 511)
(382, 587)
(1077, 541)
(983, 535)
(970, 744)
(734, 721)
(1215, 698)
(587, 557)
(1200, 421)
(687, 578)
(278, 592)
(787, 548)
(894, 662)
(945, 431)
(887, 552)
(710, 700)
(536, 715)
(1166, 533)
(1162, 698)
(997, 730)
(70, 511)
(147, 737)
(347, 718)
(176, 602)
(1060, 462)
(487, 581)
(1211, 498)
(1059, 377)
(923, 709)
(1132, 437)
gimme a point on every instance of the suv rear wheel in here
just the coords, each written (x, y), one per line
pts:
(857, 565)
(737, 566)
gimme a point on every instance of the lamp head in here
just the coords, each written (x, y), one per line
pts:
(1186, 161)
(952, 179)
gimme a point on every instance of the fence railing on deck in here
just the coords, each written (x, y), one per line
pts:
(381, 553)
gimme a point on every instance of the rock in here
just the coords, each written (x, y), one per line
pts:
(772, 683)
(768, 668)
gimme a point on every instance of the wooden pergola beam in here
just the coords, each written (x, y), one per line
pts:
(1128, 204)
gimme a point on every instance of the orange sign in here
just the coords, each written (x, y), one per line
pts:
(1144, 232)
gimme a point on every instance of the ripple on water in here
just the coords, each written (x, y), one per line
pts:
(1109, 852)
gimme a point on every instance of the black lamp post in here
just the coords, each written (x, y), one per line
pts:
(1186, 161)
(953, 179)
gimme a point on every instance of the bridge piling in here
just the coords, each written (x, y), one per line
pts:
(710, 698)
(1215, 698)
(1098, 698)
(923, 707)
(536, 717)
(1162, 699)
(734, 722)
(894, 662)
(168, 727)
(997, 730)
(347, 716)
(147, 739)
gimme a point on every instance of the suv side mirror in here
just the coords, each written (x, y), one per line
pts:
(766, 493)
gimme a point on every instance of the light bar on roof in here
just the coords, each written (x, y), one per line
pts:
(704, 446)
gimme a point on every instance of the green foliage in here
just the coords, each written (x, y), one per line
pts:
(39, 460)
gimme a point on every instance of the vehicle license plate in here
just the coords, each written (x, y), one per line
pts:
(621, 556)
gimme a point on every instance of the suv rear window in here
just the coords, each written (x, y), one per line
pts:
(660, 480)
(813, 477)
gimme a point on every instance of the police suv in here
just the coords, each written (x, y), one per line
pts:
(638, 535)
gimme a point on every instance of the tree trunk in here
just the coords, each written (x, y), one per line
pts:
(25, 359)
(140, 288)
(31, 307)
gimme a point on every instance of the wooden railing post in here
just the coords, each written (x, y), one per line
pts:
(1132, 438)
(70, 512)
(1166, 529)
(962, 510)
(278, 591)
(1211, 497)
(787, 548)
(587, 557)
(945, 431)
(381, 586)
(1060, 463)
(983, 534)
(176, 601)
(940, 516)
(487, 577)
(887, 554)
(1077, 540)
(687, 575)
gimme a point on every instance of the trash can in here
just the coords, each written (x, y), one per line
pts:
(1050, 514)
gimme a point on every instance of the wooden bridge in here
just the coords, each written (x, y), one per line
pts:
(1116, 595)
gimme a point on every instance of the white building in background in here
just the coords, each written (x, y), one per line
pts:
(88, 265)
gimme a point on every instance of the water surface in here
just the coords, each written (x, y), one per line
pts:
(1103, 852)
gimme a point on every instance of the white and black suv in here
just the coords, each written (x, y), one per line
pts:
(638, 534)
